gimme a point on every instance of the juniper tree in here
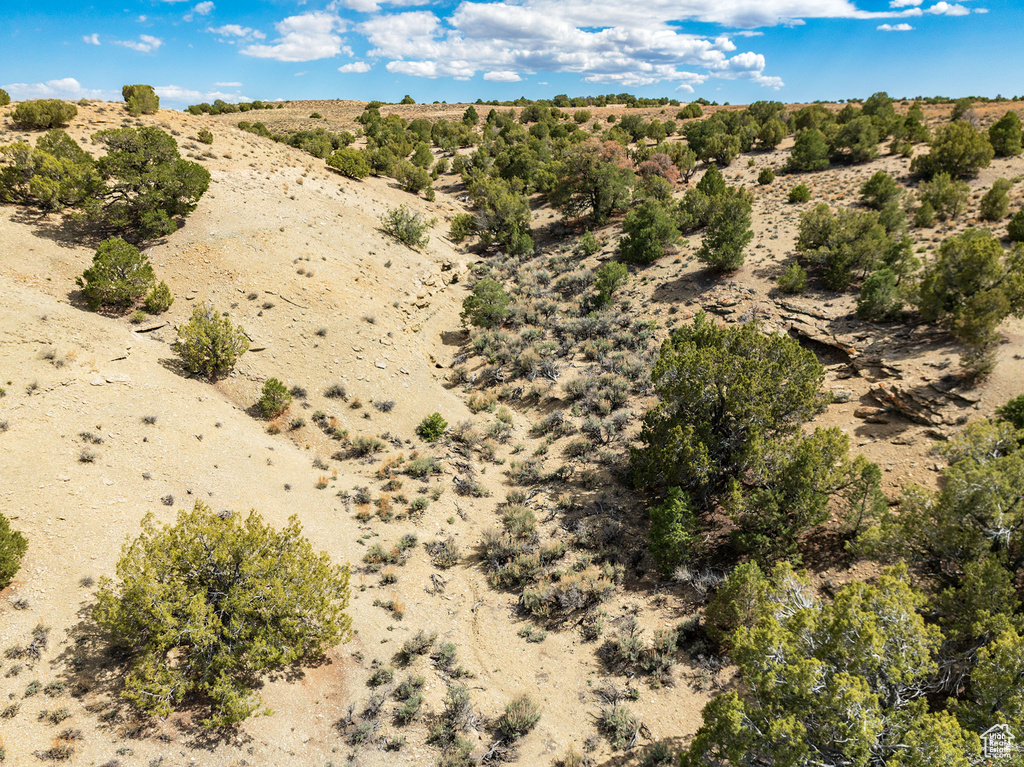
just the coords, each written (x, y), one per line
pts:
(206, 606)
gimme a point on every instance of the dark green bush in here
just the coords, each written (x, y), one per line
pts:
(648, 229)
(141, 99)
(799, 193)
(794, 279)
(349, 162)
(43, 113)
(487, 306)
(766, 176)
(463, 225)
(5, 98)
(432, 427)
(119, 276)
(204, 136)
(274, 399)
(995, 205)
(1005, 136)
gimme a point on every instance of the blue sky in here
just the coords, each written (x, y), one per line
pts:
(724, 50)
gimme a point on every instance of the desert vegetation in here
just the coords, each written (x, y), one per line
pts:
(665, 433)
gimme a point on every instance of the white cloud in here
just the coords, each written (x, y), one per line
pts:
(904, 3)
(306, 37)
(981, 10)
(93, 39)
(235, 30)
(355, 68)
(894, 27)
(505, 41)
(228, 85)
(947, 9)
(145, 43)
(66, 88)
(177, 96)
(505, 76)
(202, 9)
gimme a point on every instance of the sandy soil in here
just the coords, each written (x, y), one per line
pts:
(295, 253)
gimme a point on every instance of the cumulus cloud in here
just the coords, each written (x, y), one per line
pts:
(65, 88)
(894, 27)
(904, 3)
(228, 85)
(145, 43)
(306, 37)
(504, 42)
(505, 76)
(355, 68)
(93, 39)
(235, 30)
(202, 9)
(947, 9)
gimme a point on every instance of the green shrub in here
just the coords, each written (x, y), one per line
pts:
(520, 716)
(204, 136)
(1012, 411)
(810, 151)
(432, 427)
(947, 196)
(275, 398)
(609, 277)
(5, 98)
(13, 546)
(674, 536)
(766, 176)
(958, 149)
(794, 279)
(349, 162)
(588, 243)
(924, 215)
(880, 296)
(141, 99)
(43, 113)
(799, 193)
(209, 344)
(619, 725)
(1005, 135)
(487, 306)
(648, 229)
(159, 299)
(1015, 229)
(407, 226)
(879, 190)
(727, 234)
(119, 276)
(204, 606)
(995, 205)
(463, 225)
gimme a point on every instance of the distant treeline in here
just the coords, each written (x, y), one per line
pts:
(220, 107)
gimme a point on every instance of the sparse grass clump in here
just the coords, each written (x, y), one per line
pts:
(520, 716)
(619, 725)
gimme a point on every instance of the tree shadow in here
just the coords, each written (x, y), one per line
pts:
(59, 228)
(177, 366)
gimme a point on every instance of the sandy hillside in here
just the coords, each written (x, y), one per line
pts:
(294, 252)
